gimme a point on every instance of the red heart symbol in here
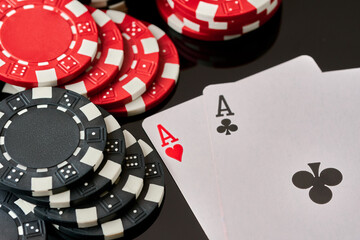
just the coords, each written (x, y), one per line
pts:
(175, 152)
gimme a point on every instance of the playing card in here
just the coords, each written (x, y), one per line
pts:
(181, 137)
(286, 154)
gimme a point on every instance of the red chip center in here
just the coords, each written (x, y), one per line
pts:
(36, 35)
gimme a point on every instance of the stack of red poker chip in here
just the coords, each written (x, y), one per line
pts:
(165, 78)
(118, 62)
(150, 69)
(108, 61)
(219, 20)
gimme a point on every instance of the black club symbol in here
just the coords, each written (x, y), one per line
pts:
(227, 127)
(319, 193)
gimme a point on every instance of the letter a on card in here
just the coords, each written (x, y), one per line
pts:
(176, 150)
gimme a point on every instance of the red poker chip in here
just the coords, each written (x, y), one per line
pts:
(108, 60)
(140, 64)
(178, 25)
(45, 43)
(196, 31)
(229, 27)
(164, 82)
(221, 10)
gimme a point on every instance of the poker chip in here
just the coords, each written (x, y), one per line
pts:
(65, 161)
(179, 26)
(140, 63)
(105, 176)
(108, 61)
(221, 10)
(208, 29)
(18, 220)
(233, 26)
(148, 202)
(226, 53)
(50, 139)
(144, 79)
(164, 82)
(45, 44)
(109, 204)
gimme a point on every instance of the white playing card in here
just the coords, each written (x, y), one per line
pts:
(288, 170)
(195, 174)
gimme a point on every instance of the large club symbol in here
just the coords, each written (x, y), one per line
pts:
(319, 192)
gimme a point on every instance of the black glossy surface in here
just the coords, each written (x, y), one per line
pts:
(327, 30)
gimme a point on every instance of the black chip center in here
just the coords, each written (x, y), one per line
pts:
(41, 137)
(8, 229)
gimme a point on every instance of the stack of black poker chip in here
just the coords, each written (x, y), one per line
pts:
(68, 165)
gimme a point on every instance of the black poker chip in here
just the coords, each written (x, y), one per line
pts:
(148, 202)
(109, 204)
(17, 220)
(123, 199)
(50, 138)
(105, 176)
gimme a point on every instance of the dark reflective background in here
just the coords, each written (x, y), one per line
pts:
(327, 30)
